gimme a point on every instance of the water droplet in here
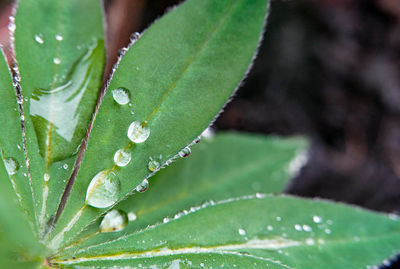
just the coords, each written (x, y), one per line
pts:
(46, 177)
(103, 191)
(61, 107)
(114, 221)
(135, 36)
(278, 218)
(208, 133)
(65, 166)
(39, 38)
(310, 241)
(11, 27)
(317, 219)
(11, 165)
(185, 152)
(59, 37)
(153, 165)
(142, 187)
(297, 227)
(307, 228)
(242, 232)
(56, 60)
(165, 220)
(122, 158)
(121, 96)
(138, 133)
(270, 228)
(132, 216)
(328, 231)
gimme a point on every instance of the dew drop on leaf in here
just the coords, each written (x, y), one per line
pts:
(153, 165)
(103, 190)
(121, 96)
(185, 152)
(132, 216)
(11, 165)
(39, 38)
(59, 37)
(138, 133)
(46, 177)
(56, 60)
(65, 166)
(122, 158)
(317, 219)
(142, 187)
(242, 232)
(114, 221)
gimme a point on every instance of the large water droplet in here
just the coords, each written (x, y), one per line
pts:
(122, 158)
(11, 165)
(121, 96)
(114, 221)
(153, 165)
(39, 38)
(103, 190)
(185, 152)
(138, 133)
(142, 187)
(58, 111)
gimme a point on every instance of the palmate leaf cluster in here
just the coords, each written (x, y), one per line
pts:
(79, 154)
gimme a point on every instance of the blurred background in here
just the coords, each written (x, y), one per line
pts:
(327, 69)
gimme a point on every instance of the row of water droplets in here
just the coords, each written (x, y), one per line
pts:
(105, 187)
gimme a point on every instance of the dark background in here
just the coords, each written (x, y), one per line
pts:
(327, 69)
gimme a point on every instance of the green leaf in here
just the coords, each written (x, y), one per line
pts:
(284, 232)
(227, 165)
(60, 53)
(178, 76)
(19, 248)
(11, 141)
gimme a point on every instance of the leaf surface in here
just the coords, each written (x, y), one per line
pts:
(285, 232)
(178, 75)
(11, 141)
(227, 165)
(19, 248)
(60, 54)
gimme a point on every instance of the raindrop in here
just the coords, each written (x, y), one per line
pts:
(114, 221)
(39, 38)
(132, 216)
(142, 187)
(278, 218)
(165, 220)
(138, 133)
(270, 228)
(11, 165)
(153, 165)
(307, 228)
(298, 227)
(135, 36)
(242, 232)
(103, 190)
(185, 152)
(328, 231)
(46, 177)
(56, 60)
(317, 219)
(59, 37)
(121, 96)
(122, 158)
(65, 166)
(11, 27)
